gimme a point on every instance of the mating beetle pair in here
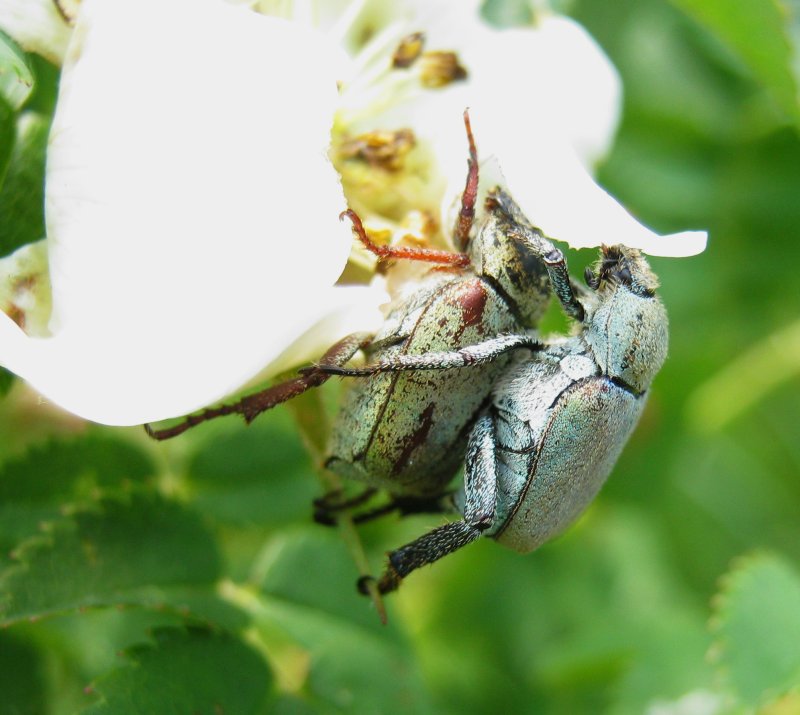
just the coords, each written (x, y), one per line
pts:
(457, 369)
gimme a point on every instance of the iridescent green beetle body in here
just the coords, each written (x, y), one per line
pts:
(457, 368)
(406, 431)
(558, 417)
(561, 420)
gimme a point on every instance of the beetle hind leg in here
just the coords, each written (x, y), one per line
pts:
(253, 405)
(328, 507)
(425, 550)
(480, 487)
(476, 354)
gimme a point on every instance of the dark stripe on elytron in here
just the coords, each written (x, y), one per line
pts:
(415, 440)
(465, 431)
(395, 376)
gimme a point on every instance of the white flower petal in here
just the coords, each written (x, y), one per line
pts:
(537, 121)
(191, 208)
(574, 80)
(560, 197)
(37, 26)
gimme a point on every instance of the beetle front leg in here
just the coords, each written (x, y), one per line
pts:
(466, 214)
(446, 360)
(480, 486)
(253, 405)
(543, 247)
(557, 270)
(383, 253)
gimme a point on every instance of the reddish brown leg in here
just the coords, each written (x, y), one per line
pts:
(429, 255)
(467, 213)
(253, 405)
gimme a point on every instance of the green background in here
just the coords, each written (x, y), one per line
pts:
(187, 576)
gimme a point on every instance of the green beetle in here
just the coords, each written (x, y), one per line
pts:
(541, 428)
(406, 432)
(557, 420)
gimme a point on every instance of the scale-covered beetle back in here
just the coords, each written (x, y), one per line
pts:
(627, 329)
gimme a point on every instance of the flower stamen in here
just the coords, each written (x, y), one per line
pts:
(438, 69)
(409, 50)
(384, 150)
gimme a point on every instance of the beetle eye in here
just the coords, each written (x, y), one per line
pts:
(592, 280)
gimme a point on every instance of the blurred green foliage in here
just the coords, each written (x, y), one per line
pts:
(187, 577)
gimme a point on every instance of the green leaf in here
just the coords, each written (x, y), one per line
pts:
(758, 32)
(22, 192)
(340, 667)
(61, 469)
(7, 131)
(119, 551)
(34, 486)
(16, 77)
(326, 641)
(258, 475)
(194, 671)
(45, 92)
(757, 624)
(22, 677)
(329, 576)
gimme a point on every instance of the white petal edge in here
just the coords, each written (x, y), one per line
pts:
(558, 195)
(520, 122)
(544, 148)
(192, 211)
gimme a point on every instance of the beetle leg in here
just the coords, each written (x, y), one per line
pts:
(543, 247)
(334, 500)
(562, 284)
(466, 214)
(253, 405)
(557, 270)
(329, 505)
(427, 255)
(406, 506)
(463, 357)
(480, 485)
(325, 511)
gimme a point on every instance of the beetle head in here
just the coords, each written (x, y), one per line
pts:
(627, 329)
(620, 265)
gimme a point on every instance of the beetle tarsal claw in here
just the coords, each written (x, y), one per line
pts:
(364, 583)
